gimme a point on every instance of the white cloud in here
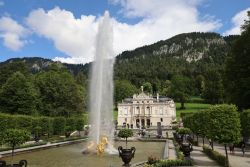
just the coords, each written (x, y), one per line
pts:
(12, 33)
(73, 36)
(159, 20)
(237, 21)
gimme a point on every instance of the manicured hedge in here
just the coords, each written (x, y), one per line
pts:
(219, 158)
(46, 125)
(169, 163)
(59, 125)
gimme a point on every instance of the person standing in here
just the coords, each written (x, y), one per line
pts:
(243, 145)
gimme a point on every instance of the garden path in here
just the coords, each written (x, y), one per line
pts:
(201, 159)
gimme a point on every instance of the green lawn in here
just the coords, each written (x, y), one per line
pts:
(190, 107)
(115, 114)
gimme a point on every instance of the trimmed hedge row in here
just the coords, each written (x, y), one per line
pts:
(219, 158)
(169, 163)
(45, 125)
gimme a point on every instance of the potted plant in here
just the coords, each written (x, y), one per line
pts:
(186, 146)
(126, 154)
(13, 138)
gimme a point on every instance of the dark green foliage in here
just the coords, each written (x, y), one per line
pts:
(15, 137)
(59, 94)
(213, 90)
(224, 124)
(184, 131)
(79, 124)
(18, 95)
(71, 124)
(169, 163)
(8, 69)
(237, 70)
(59, 125)
(147, 87)
(219, 158)
(123, 89)
(179, 153)
(46, 124)
(176, 56)
(180, 89)
(125, 133)
(245, 123)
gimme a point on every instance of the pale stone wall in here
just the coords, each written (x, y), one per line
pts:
(144, 110)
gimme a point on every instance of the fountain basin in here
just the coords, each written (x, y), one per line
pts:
(71, 156)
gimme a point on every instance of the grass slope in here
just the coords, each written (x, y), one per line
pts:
(190, 107)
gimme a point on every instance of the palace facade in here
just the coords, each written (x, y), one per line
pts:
(144, 110)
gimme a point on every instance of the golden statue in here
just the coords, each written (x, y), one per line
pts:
(101, 146)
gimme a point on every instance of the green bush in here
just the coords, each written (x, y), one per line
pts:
(169, 163)
(71, 124)
(59, 125)
(152, 160)
(23, 122)
(46, 124)
(221, 159)
(79, 124)
(179, 153)
(184, 131)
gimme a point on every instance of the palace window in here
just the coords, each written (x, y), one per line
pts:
(161, 119)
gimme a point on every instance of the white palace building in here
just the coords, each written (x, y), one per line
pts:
(146, 111)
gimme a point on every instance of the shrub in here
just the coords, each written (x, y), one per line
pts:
(71, 124)
(125, 133)
(221, 159)
(59, 125)
(179, 153)
(184, 131)
(15, 137)
(79, 124)
(46, 124)
(169, 163)
(152, 160)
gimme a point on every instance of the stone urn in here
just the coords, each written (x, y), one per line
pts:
(22, 163)
(186, 148)
(126, 155)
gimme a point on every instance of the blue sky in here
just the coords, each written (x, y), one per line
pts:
(65, 30)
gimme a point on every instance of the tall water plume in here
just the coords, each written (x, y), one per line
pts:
(101, 85)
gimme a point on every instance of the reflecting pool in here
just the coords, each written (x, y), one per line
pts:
(71, 156)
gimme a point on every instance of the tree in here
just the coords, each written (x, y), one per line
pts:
(147, 87)
(15, 137)
(18, 96)
(224, 125)
(125, 133)
(213, 87)
(10, 68)
(79, 125)
(59, 93)
(166, 88)
(237, 69)
(180, 89)
(245, 123)
(123, 89)
(199, 84)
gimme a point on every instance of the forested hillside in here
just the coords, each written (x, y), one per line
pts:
(195, 59)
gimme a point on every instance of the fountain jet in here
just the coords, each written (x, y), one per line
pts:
(101, 86)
